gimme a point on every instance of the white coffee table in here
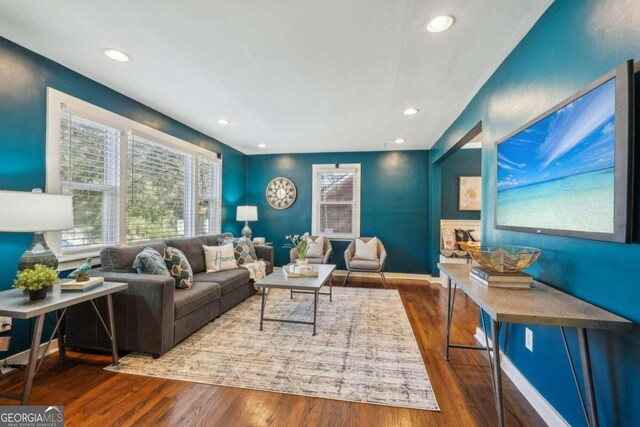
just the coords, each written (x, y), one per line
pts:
(301, 285)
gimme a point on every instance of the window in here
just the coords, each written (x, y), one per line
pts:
(130, 183)
(336, 200)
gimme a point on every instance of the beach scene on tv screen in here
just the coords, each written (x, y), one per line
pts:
(559, 172)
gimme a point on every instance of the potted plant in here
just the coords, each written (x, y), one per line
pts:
(36, 281)
(300, 244)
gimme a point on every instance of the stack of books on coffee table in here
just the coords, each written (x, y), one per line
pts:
(493, 279)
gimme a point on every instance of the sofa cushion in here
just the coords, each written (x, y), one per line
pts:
(213, 239)
(120, 259)
(150, 261)
(219, 258)
(243, 249)
(228, 279)
(189, 300)
(179, 267)
(361, 264)
(192, 248)
(314, 260)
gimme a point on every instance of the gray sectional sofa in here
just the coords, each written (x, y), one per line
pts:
(152, 315)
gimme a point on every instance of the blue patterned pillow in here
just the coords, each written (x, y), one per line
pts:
(179, 267)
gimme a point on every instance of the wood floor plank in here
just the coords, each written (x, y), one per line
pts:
(93, 396)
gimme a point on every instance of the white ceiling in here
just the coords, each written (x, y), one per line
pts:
(297, 75)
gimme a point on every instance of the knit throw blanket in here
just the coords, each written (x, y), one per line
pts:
(257, 269)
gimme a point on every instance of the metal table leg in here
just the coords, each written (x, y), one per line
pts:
(264, 300)
(497, 373)
(331, 287)
(585, 361)
(112, 328)
(450, 303)
(33, 359)
(62, 354)
(315, 309)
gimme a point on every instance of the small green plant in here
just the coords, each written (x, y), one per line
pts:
(36, 278)
(299, 243)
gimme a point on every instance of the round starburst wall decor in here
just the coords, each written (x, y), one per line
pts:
(281, 193)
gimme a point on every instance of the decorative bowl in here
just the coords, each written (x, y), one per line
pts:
(504, 259)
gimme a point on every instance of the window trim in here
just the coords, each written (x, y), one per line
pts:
(315, 200)
(55, 102)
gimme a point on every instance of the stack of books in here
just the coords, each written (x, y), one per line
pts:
(75, 286)
(494, 279)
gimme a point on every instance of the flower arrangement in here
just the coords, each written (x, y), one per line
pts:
(36, 280)
(299, 243)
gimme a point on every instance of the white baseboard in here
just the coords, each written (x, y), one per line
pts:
(22, 358)
(539, 403)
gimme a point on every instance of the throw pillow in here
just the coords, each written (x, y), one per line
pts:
(149, 261)
(219, 258)
(449, 239)
(367, 251)
(315, 249)
(244, 241)
(463, 236)
(243, 250)
(179, 267)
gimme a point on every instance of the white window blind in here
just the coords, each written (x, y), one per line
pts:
(336, 199)
(160, 191)
(89, 170)
(130, 183)
(208, 209)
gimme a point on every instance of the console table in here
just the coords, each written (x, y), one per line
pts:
(541, 305)
(14, 303)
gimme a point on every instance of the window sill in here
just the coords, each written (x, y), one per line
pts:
(74, 260)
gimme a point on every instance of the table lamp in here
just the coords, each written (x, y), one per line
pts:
(246, 214)
(36, 212)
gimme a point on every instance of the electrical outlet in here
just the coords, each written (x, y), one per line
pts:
(528, 339)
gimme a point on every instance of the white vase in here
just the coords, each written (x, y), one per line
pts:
(302, 261)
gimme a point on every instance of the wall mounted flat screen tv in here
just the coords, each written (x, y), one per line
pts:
(568, 172)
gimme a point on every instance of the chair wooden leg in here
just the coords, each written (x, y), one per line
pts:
(346, 278)
(384, 280)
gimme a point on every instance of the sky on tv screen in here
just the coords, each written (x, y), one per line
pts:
(559, 172)
(576, 139)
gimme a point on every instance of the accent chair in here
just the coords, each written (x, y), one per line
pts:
(365, 266)
(327, 251)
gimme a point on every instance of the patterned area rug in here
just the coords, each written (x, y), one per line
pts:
(364, 350)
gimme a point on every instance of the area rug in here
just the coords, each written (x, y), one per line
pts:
(364, 350)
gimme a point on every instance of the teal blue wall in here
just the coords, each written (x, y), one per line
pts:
(24, 78)
(461, 163)
(394, 202)
(574, 42)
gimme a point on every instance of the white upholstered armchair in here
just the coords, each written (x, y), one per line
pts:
(327, 251)
(365, 266)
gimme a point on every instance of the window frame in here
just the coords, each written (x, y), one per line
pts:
(315, 200)
(56, 102)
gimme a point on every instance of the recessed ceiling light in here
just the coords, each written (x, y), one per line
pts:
(440, 23)
(116, 55)
(262, 145)
(410, 111)
(224, 122)
(399, 141)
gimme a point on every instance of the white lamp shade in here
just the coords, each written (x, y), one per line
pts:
(247, 213)
(29, 212)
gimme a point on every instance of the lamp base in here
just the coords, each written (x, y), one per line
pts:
(38, 253)
(246, 231)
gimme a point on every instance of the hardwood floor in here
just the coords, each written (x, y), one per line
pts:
(93, 396)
